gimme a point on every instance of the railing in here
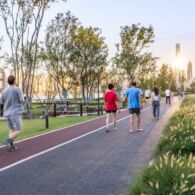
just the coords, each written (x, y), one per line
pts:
(61, 108)
(69, 108)
(44, 110)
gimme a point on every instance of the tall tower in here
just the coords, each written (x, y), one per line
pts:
(177, 50)
(189, 71)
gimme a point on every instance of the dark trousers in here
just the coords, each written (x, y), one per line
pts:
(156, 108)
(168, 100)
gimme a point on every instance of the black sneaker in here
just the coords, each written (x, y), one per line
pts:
(14, 148)
(9, 146)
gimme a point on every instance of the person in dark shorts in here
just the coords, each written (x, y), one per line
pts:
(133, 98)
(111, 105)
(12, 100)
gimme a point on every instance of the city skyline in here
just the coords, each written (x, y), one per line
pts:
(171, 21)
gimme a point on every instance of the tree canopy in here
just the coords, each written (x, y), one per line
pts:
(131, 53)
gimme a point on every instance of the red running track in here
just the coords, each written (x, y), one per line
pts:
(36, 145)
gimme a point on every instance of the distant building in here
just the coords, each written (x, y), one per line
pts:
(177, 50)
(189, 71)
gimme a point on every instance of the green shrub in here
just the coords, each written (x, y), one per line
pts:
(168, 175)
(179, 136)
(173, 171)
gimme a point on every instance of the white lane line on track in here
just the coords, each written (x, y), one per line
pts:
(52, 131)
(63, 128)
(60, 145)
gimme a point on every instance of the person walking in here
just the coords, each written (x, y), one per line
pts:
(133, 98)
(155, 98)
(111, 105)
(12, 100)
(168, 96)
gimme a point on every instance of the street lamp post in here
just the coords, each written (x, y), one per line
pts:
(99, 72)
(99, 94)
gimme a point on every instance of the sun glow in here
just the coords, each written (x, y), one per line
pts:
(178, 62)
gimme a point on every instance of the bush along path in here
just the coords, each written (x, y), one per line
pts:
(172, 170)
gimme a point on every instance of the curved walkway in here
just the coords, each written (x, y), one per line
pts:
(83, 159)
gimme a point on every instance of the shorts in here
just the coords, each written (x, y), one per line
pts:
(147, 97)
(111, 111)
(14, 122)
(134, 110)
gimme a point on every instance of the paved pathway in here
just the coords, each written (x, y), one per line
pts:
(97, 164)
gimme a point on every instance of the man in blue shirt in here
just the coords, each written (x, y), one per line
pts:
(133, 98)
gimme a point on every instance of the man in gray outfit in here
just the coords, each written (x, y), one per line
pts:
(12, 100)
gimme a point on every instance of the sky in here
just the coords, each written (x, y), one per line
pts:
(173, 22)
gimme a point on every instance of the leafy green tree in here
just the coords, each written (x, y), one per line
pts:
(58, 49)
(132, 55)
(172, 79)
(167, 78)
(88, 56)
(148, 83)
(163, 77)
(182, 79)
(22, 20)
(192, 86)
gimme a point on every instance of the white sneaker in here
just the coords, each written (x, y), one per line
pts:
(131, 131)
(107, 129)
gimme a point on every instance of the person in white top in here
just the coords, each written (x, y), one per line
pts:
(168, 96)
(155, 98)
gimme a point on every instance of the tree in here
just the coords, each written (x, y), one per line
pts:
(172, 79)
(148, 83)
(182, 79)
(167, 78)
(22, 20)
(88, 56)
(163, 77)
(192, 86)
(1, 41)
(58, 48)
(131, 55)
(117, 77)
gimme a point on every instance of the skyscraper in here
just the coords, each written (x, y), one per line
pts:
(177, 50)
(189, 71)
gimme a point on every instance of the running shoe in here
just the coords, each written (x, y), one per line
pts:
(8, 145)
(131, 131)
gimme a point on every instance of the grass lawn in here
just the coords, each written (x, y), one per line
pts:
(37, 126)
